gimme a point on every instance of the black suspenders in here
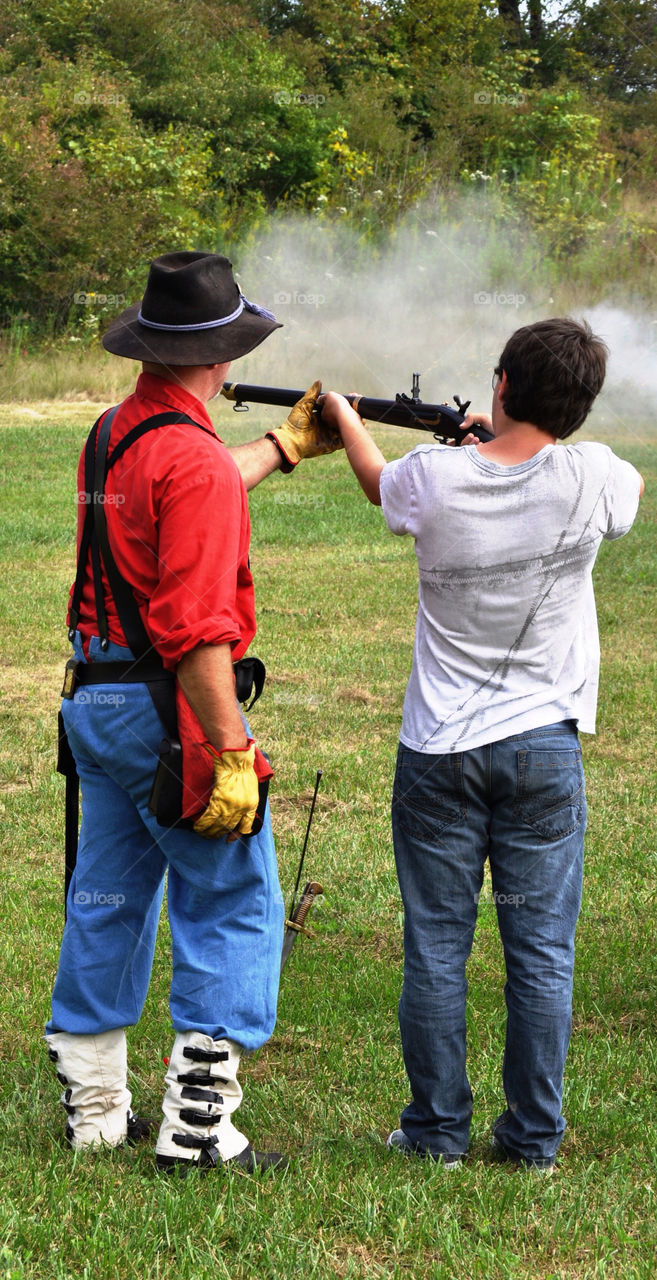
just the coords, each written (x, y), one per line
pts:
(147, 665)
(95, 542)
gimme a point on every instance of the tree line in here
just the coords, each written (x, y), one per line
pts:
(131, 127)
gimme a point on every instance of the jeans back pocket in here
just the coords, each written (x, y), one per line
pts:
(428, 793)
(550, 796)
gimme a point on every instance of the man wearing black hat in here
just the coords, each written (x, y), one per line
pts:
(161, 610)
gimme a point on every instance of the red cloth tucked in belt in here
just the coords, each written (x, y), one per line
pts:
(198, 772)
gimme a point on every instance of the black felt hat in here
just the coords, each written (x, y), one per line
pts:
(191, 313)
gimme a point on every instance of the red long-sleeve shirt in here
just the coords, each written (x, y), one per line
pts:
(178, 523)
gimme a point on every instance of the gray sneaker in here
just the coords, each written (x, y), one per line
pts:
(399, 1141)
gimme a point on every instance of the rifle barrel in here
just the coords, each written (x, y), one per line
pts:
(242, 393)
(440, 419)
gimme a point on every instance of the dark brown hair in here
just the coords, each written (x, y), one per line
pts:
(555, 369)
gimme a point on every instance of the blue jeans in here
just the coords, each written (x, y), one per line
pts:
(224, 899)
(521, 804)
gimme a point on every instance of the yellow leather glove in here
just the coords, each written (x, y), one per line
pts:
(234, 798)
(302, 435)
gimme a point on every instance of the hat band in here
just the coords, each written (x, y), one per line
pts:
(186, 328)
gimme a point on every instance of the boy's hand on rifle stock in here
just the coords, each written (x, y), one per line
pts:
(336, 409)
(471, 422)
(304, 435)
(469, 439)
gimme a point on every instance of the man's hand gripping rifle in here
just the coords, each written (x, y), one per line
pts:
(404, 411)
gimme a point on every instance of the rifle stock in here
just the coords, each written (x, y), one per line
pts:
(404, 411)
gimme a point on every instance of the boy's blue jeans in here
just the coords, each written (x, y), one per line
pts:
(224, 899)
(521, 804)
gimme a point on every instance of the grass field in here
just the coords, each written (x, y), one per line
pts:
(336, 596)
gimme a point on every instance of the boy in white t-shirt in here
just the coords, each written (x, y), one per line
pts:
(505, 670)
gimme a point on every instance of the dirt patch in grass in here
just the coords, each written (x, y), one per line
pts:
(37, 688)
(358, 695)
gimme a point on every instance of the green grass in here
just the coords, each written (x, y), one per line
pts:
(336, 596)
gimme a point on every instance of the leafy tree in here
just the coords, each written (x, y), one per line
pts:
(509, 11)
(616, 41)
(85, 194)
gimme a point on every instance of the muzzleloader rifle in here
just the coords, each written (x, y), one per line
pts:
(442, 420)
(296, 921)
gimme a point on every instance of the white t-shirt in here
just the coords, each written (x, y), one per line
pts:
(507, 635)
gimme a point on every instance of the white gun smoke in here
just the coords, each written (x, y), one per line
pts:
(438, 299)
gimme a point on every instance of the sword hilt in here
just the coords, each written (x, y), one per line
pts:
(311, 891)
